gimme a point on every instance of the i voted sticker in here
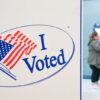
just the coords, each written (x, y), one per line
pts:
(33, 53)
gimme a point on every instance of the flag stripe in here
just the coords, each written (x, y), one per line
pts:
(13, 37)
(19, 35)
(15, 34)
(7, 37)
(0, 37)
(10, 55)
(29, 41)
(23, 37)
(29, 51)
(21, 45)
(14, 56)
(26, 40)
(18, 58)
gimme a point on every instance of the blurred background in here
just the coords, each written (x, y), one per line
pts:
(91, 16)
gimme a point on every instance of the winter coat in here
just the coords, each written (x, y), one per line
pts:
(94, 53)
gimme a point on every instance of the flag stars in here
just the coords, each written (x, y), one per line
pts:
(4, 49)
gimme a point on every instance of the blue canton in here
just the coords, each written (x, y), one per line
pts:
(4, 49)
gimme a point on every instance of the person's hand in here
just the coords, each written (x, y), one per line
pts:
(96, 37)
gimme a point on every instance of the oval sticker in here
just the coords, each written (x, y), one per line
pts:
(33, 53)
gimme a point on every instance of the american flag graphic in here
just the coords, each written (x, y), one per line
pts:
(13, 47)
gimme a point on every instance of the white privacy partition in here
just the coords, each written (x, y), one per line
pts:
(40, 47)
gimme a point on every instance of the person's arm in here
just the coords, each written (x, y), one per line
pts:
(96, 45)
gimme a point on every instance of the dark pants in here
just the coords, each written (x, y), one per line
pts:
(95, 73)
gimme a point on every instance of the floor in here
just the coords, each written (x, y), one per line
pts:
(88, 92)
